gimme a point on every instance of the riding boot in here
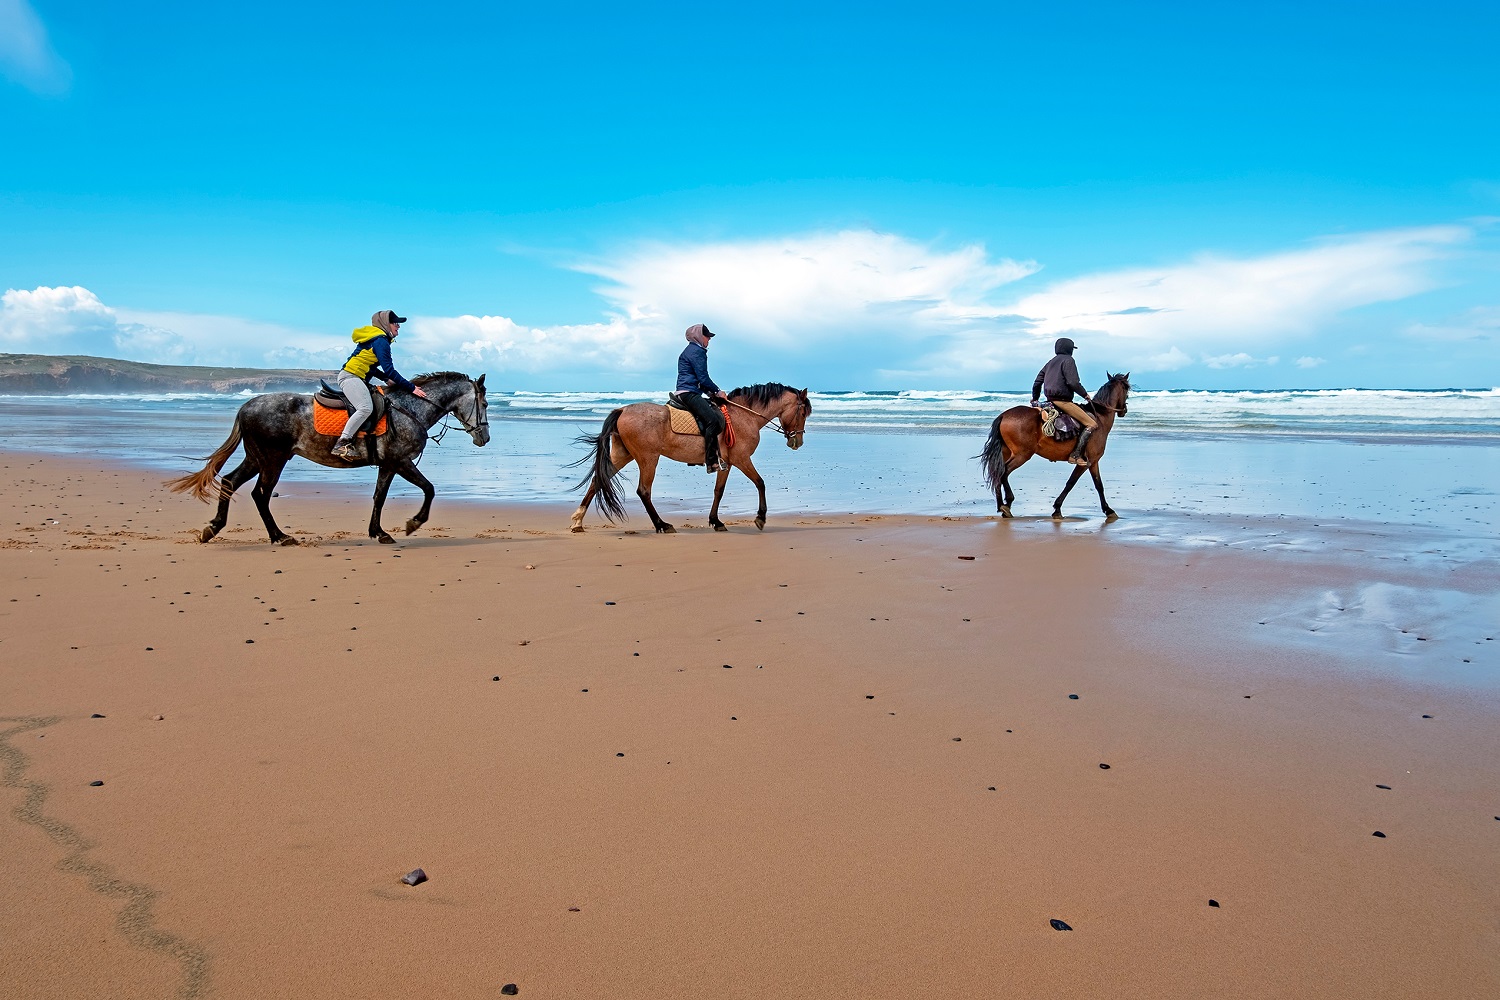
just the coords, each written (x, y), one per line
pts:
(711, 453)
(1083, 439)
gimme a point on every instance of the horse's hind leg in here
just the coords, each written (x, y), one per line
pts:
(382, 486)
(227, 486)
(270, 473)
(1099, 488)
(1011, 464)
(1057, 504)
(408, 471)
(643, 490)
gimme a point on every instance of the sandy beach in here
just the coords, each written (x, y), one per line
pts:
(840, 758)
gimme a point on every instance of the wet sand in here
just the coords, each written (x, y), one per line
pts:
(835, 759)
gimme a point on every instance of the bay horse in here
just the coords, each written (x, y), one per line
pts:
(642, 432)
(277, 425)
(1016, 435)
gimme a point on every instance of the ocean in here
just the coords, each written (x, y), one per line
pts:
(1419, 457)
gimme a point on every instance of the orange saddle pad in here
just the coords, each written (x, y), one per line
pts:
(331, 422)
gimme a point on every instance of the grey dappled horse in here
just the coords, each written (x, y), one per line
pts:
(278, 425)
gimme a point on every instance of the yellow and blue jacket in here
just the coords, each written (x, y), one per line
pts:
(372, 356)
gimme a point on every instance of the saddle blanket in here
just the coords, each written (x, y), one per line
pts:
(683, 422)
(329, 421)
(1057, 424)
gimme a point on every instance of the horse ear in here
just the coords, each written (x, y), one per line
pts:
(479, 382)
(1108, 375)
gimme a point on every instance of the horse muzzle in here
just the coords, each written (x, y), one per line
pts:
(794, 441)
(481, 436)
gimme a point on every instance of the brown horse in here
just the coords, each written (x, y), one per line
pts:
(642, 432)
(1016, 435)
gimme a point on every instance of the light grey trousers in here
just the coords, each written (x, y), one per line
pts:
(357, 392)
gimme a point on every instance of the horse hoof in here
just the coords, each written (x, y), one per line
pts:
(207, 534)
(760, 524)
(289, 540)
(1005, 511)
(665, 529)
(577, 529)
(386, 539)
(1110, 515)
(412, 525)
(1057, 515)
(719, 526)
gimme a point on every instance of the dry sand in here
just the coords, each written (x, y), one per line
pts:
(831, 760)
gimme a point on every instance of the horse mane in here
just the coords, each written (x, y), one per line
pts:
(1119, 380)
(434, 376)
(764, 392)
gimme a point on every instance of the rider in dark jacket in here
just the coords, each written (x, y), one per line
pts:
(692, 383)
(1059, 380)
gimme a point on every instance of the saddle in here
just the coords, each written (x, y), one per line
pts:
(1058, 425)
(684, 421)
(331, 410)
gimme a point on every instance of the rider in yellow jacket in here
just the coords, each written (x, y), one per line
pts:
(371, 358)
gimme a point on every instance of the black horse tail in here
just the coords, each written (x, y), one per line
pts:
(204, 484)
(602, 473)
(993, 458)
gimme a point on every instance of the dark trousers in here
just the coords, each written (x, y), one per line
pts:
(711, 420)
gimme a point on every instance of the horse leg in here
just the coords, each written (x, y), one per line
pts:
(1057, 504)
(382, 486)
(752, 474)
(408, 471)
(643, 490)
(227, 486)
(583, 507)
(1012, 463)
(1099, 488)
(713, 512)
(270, 472)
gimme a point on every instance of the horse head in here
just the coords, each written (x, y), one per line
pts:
(463, 397)
(1118, 386)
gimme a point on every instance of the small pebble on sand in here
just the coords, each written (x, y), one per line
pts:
(509, 990)
(1214, 903)
(1059, 925)
(1377, 833)
(1104, 767)
(96, 715)
(1072, 697)
(414, 877)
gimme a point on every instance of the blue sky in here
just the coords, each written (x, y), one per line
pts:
(870, 196)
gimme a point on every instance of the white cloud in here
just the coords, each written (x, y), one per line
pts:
(1478, 323)
(26, 54)
(870, 307)
(828, 284)
(58, 321)
(1239, 360)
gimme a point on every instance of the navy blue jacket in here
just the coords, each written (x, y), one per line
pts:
(692, 370)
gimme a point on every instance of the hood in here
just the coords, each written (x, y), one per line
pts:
(365, 334)
(1063, 346)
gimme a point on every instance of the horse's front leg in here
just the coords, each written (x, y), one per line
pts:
(753, 474)
(1057, 504)
(713, 512)
(409, 472)
(1109, 511)
(382, 486)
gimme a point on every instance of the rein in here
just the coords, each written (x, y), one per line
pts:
(772, 422)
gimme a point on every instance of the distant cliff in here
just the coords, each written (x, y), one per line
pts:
(45, 374)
